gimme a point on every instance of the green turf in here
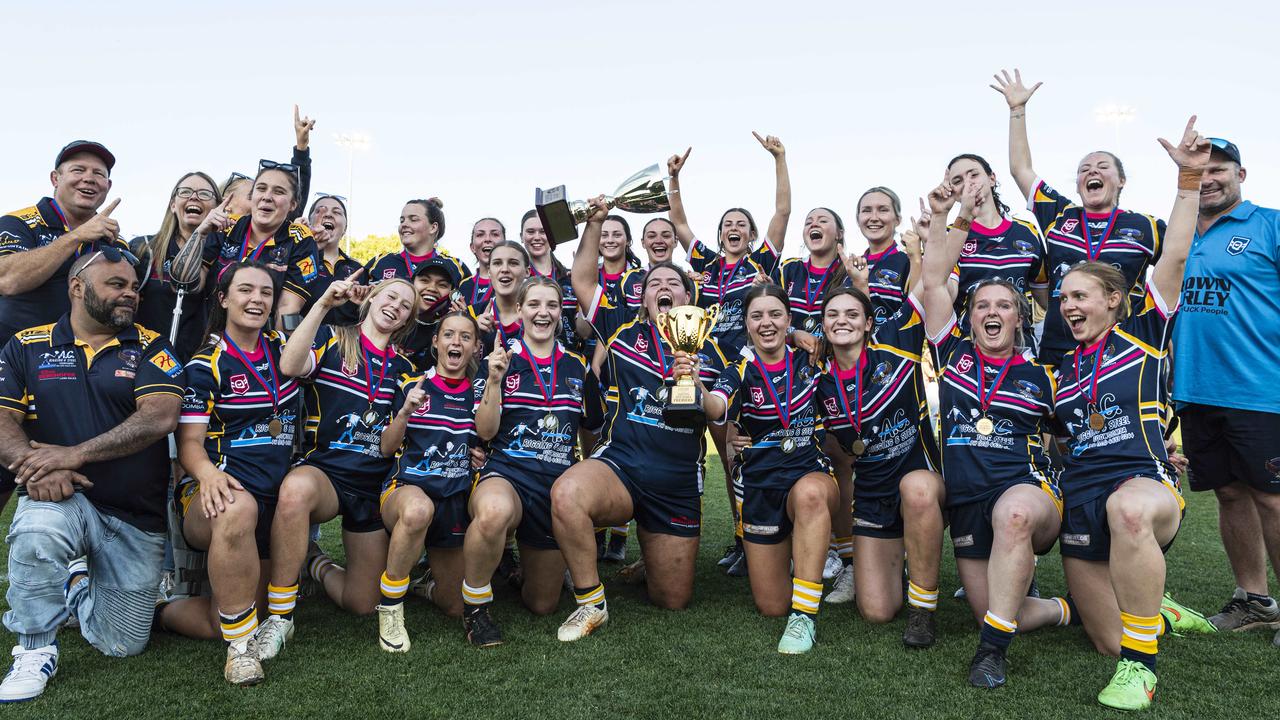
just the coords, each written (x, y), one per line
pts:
(716, 659)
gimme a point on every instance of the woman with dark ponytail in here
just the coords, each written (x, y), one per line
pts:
(421, 227)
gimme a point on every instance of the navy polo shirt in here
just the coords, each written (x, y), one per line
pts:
(68, 393)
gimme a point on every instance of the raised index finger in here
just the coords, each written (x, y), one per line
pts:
(295, 113)
(753, 132)
(114, 203)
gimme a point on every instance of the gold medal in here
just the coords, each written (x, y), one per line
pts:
(788, 446)
(371, 417)
(1097, 421)
(810, 324)
(549, 422)
(275, 427)
(984, 426)
(859, 447)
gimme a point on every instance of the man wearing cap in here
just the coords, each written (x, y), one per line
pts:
(85, 404)
(39, 243)
(1226, 372)
(435, 281)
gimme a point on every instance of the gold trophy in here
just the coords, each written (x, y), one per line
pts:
(686, 327)
(644, 192)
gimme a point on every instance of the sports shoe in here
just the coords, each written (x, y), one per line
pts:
(243, 667)
(832, 566)
(1182, 619)
(1276, 640)
(1131, 688)
(1034, 590)
(799, 635)
(482, 631)
(423, 586)
(392, 636)
(31, 671)
(961, 593)
(271, 636)
(1241, 614)
(730, 556)
(633, 574)
(616, 551)
(987, 668)
(922, 630)
(585, 620)
(739, 566)
(509, 568)
(842, 590)
(601, 536)
(307, 585)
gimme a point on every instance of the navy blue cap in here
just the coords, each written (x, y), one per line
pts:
(1226, 147)
(86, 146)
(442, 264)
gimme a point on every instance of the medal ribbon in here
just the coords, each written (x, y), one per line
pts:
(855, 416)
(272, 388)
(368, 374)
(244, 245)
(724, 263)
(1090, 252)
(662, 355)
(984, 397)
(1097, 365)
(475, 285)
(547, 390)
(822, 283)
(783, 408)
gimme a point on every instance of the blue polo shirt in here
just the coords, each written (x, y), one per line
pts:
(1227, 339)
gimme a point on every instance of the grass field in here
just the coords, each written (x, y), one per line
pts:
(716, 659)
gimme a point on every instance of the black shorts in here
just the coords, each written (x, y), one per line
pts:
(877, 517)
(659, 512)
(534, 529)
(8, 481)
(970, 523)
(1085, 533)
(449, 522)
(1228, 445)
(360, 512)
(592, 403)
(185, 497)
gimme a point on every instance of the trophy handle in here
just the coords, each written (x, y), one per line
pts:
(709, 319)
(662, 322)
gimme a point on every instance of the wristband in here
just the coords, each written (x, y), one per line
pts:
(1189, 179)
(963, 224)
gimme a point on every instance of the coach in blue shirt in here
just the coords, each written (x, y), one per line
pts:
(1227, 380)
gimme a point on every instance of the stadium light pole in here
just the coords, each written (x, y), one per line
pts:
(351, 142)
(1115, 115)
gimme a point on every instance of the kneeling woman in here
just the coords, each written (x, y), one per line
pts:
(1003, 500)
(529, 414)
(424, 499)
(352, 373)
(789, 494)
(235, 441)
(1124, 503)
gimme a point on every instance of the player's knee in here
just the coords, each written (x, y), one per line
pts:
(295, 498)
(566, 497)
(919, 494)
(810, 499)
(416, 515)
(772, 608)
(1128, 516)
(493, 516)
(877, 613)
(1013, 519)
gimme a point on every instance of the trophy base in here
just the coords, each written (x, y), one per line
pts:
(684, 409)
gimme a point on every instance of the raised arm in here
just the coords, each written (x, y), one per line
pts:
(684, 233)
(295, 358)
(585, 273)
(22, 272)
(393, 435)
(302, 127)
(1017, 95)
(940, 255)
(1191, 154)
(782, 191)
(489, 412)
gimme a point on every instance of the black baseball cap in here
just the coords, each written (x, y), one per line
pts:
(441, 264)
(86, 146)
(1226, 147)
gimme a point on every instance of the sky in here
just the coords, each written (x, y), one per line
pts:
(478, 103)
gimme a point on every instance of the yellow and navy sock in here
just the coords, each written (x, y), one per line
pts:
(923, 598)
(844, 548)
(282, 600)
(393, 591)
(805, 597)
(1139, 640)
(238, 627)
(998, 631)
(320, 566)
(1066, 612)
(476, 597)
(620, 530)
(1072, 615)
(590, 595)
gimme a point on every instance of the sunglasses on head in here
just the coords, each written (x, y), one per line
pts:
(112, 254)
(234, 177)
(273, 165)
(323, 195)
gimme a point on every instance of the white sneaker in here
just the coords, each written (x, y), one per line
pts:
(392, 637)
(584, 621)
(271, 637)
(242, 668)
(842, 590)
(31, 671)
(833, 565)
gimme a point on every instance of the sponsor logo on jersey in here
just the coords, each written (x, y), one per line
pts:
(167, 363)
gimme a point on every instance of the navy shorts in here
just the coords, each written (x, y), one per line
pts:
(185, 497)
(764, 516)
(970, 523)
(661, 513)
(449, 523)
(534, 529)
(360, 512)
(1228, 445)
(877, 517)
(1085, 533)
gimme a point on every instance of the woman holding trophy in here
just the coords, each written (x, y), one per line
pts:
(625, 478)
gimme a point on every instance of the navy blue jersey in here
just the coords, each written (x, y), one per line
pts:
(64, 392)
(1015, 395)
(528, 443)
(506, 331)
(758, 397)
(888, 271)
(229, 392)
(436, 452)
(348, 407)
(881, 402)
(476, 291)
(402, 265)
(631, 287)
(345, 266)
(1128, 241)
(290, 254)
(668, 458)
(727, 285)
(1121, 380)
(805, 286)
(1012, 251)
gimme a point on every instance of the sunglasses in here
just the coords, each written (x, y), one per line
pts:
(186, 192)
(234, 177)
(273, 165)
(112, 254)
(323, 195)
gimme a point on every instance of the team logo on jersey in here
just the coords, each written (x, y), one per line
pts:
(1069, 225)
(885, 275)
(424, 407)
(642, 345)
(1027, 388)
(575, 387)
(881, 374)
(348, 370)
(1273, 467)
(307, 267)
(832, 409)
(511, 384)
(1237, 245)
(970, 247)
(130, 357)
(240, 384)
(965, 363)
(706, 278)
(1130, 234)
(1023, 246)
(167, 363)
(388, 273)
(757, 396)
